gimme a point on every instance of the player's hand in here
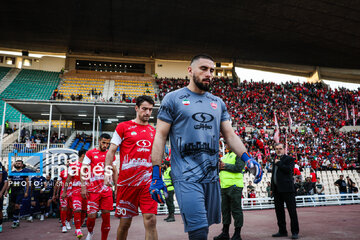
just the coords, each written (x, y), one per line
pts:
(63, 195)
(84, 192)
(108, 180)
(221, 165)
(26, 195)
(253, 166)
(158, 190)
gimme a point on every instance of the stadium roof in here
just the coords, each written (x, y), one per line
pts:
(74, 111)
(306, 32)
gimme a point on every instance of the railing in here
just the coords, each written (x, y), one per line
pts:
(301, 201)
(27, 148)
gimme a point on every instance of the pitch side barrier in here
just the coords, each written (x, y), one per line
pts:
(268, 203)
(301, 201)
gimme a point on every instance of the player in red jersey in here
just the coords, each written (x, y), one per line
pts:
(65, 203)
(135, 140)
(99, 196)
(79, 204)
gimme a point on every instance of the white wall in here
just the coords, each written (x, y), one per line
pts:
(45, 63)
(171, 69)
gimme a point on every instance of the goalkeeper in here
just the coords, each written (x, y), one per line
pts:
(194, 119)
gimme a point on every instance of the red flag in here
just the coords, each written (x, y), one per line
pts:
(275, 119)
(353, 112)
(347, 113)
(277, 132)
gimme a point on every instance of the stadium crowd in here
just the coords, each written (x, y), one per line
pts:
(316, 111)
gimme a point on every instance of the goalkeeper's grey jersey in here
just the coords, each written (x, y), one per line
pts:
(195, 128)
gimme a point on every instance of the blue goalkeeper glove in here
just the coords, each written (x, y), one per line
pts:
(253, 166)
(158, 190)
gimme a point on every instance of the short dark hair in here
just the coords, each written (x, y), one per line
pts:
(202, 55)
(104, 135)
(81, 152)
(144, 98)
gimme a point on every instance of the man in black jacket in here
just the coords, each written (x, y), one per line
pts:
(282, 186)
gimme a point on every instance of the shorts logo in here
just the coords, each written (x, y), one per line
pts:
(143, 143)
(133, 133)
(186, 102)
(213, 105)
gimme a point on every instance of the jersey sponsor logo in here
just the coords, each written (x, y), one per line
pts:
(186, 102)
(184, 96)
(132, 127)
(133, 133)
(96, 156)
(202, 118)
(135, 162)
(143, 143)
(213, 105)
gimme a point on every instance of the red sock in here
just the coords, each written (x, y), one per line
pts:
(69, 214)
(105, 226)
(77, 220)
(83, 216)
(63, 217)
(90, 224)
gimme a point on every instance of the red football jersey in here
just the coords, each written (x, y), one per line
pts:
(62, 177)
(74, 171)
(135, 143)
(96, 159)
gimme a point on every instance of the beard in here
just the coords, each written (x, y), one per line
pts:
(17, 167)
(200, 85)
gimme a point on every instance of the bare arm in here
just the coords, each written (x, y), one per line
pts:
(109, 162)
(82, 180)
(27, 188)
(110, 155)
(162, 131)
(4, 188)
(234, 142)
(68, 179)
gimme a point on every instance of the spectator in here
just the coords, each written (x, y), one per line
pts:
(313, 176)
(268, 189)
(249, 188)
(349, 183)
(319, 189)
(354, 189)
(341, 184)
(309, 186)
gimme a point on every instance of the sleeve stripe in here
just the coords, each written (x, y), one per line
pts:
(116, 139)
(86, 160)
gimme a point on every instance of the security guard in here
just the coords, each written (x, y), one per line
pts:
(170, 189)
(231, 182)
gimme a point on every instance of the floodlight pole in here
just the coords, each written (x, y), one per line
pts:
(59, 127)
(93, 133)
(97, 127)
(49, 131)
(2, 130)
(19, 128)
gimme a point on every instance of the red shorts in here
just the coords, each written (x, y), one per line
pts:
(65, 202)
(78, 203)
(100, 201)
(130, 198)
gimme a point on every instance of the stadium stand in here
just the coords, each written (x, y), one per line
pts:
(3, 72)
(92, 86)
(28, 84)
(252, 104)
